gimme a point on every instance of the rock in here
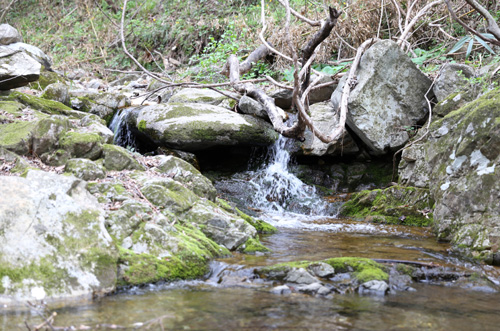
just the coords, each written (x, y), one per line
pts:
(86, 145)
(188, 175)
(452, 77)
(194, 127)
(17, 68)
(321, 269)
(196, 95)
(250, 106)
(118, 158)
(283, 98)
(313, 289)
(459, 162)
(219, 225)
(53, 241)
(300, 276)
(85, 169)
(282, 289)
(167, 194)
(125, 220)
(57, 92)
(376, 287)
(33, 51)
(325, 119)
(453, 102)
(104, 105)
(389, 97)
(9, 35)
(47, 133)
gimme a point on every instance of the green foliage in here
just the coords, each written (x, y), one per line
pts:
(471, 40)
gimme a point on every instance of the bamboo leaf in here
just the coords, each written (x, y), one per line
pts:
(469, 48)
(459, 44)
(485, 45)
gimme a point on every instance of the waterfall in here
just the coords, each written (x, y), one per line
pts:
(276, 192)
(123, 134)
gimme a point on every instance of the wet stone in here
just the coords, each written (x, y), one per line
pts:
(282, 289)
(376, 287)
(300, 276)
(321, 269)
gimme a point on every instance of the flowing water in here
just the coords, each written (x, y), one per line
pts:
(231, 298)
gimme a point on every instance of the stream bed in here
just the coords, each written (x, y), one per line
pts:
(230, 300)
(232, 297)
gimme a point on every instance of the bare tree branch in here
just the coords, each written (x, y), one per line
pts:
(420, 13)
(492, 24)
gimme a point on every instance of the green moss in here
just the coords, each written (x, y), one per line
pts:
(259, 225)
(46, 106)
(224, 205)
(189, 261)
(252, 246)
(364, 269)
(48, 77)
(394, 205)
(142, 125)
(16, 136)
(405, 269)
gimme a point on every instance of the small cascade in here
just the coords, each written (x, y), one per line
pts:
(123, 134)
(272, 189)
(280, 191)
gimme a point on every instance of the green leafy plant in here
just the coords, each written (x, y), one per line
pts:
(471, 40)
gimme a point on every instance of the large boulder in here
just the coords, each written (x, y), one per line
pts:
(388, 98)
(104, 105)
(17, 68)
(459, 162)
(9, 34)
(33, 51)
(193, 127)
(325, 119)
(53, 242)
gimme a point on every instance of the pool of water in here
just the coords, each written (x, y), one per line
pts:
(229, 300)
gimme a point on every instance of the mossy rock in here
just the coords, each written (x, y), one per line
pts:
(259, 225)
(85, 169)
(394, 205)
(47, 78)
(252, 246)
(118, 158)
(16, 136)
(45, 106)
(82, 144)
(189, 260)
(57, 92)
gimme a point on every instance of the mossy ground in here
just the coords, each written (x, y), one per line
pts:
(252, 246)
(394, 205)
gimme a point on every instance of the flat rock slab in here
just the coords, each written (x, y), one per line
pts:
(17, 68)
(194, 127)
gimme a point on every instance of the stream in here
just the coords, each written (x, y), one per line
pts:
(232, 298)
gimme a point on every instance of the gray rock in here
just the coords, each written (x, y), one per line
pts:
(452, 77)
(9, 35)
(321, 269)
(34, 52)
(104, 105)
(185, 173)
(376, 287)
(53, 238)
(17, 68)
(194, 127)
(118, 158)
(85, 169)
(250, 106)
(219, 225)
(282, 289)
(300, 276)
(283, 98)
(325, 119)
(389, 96)
(311, 288)
(57, 92)
(460, 164)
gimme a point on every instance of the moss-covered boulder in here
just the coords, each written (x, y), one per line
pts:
(118, 158)
(86, 145)
(57, 92)
(188, 175)
(194, 127)
(85, 169)
(47, 78)
(53, 241)
(394, 205)
(459, 163)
